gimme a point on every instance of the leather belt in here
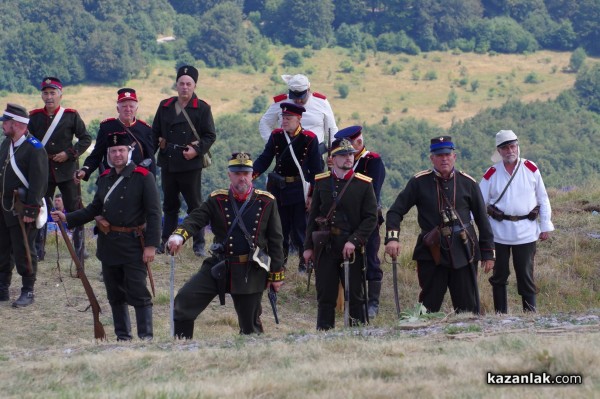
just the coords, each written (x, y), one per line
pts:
(336, 231)
(514, 218)
(291, 179)
(119, 229)
(238, 258)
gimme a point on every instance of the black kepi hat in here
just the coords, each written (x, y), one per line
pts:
(118, 138)
(441, 145)
(342, 147)
(292, 109)
(240, 162)
(15, 112)
(189, 71)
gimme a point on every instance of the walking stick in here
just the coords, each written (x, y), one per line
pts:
(172, 296)
(98, 327)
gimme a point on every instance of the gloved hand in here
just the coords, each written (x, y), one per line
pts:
(174, 244)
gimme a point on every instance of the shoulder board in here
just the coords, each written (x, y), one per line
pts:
(219, 192)
(308, 133)
(143, 171)
(280, 98)
(35, 142)
(531, 166)
(108, 120)
(265, 193)
(466, 175)
(362, 177)
(372, 154)
(319, 95)
(70, 110)
(277, 131)
(36, 111)
(168, 101)
(322, 175)
(195, 102)
(489, 173)
(106, 171)
(423, 173)
(143, 122)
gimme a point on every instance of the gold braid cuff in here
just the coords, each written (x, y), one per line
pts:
(275, 277)
(181, 232)
(393, 235)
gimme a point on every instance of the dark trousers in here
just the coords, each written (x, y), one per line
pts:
(374, 272)
(523, 262)
(293, 224)
(13, 253)
(72, 202)
(126, 284)
(199, 291)
(186, 183)
(328, 275)
(435, 280)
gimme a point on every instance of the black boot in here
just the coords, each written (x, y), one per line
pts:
(25, 299)
(143, 318)
(325, 318)
(121, 321)
(529, 303)
(302, 265)
(4, 284)
(373, 298)
(184, 329)
(500, 298)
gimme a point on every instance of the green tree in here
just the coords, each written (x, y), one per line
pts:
(577, 59)
(587, 87)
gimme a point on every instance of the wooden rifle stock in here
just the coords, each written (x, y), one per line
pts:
(98, 327)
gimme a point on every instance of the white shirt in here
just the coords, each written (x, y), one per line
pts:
(524, 193)
(318, 117)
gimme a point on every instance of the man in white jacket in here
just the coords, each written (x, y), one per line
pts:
(520, 213)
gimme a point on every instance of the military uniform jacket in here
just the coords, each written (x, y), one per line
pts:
(355, 216)
(370, 164)
(261, 219)
(134, 202)
(176, 130)
(462, 190)
(305, 147)
(32, 161)
(70, 125)
(141, 131)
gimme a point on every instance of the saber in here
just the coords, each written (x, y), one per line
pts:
(273, 300)
(346, 265)
(395, 278)
(309, 269)
(172, 296)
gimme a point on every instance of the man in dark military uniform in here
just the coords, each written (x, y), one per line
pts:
(445, 199)
(127, 212)
(24, 167)
(56, 127)
(297, 161)
(181, 150)
(237, 239)
(370, 164)
(140, 132)
(350, 224)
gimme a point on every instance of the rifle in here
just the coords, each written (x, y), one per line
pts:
(328, 144)
(395, 277)
(364, 284)
(98, 327)
(346, 266)
(309, 270)
(18, 211)
(273, 300)
(465, 241)
(81, 232)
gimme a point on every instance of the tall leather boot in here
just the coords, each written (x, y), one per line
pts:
(4, 284)
(325, 319)
(143, 318)
(27, 297)
(184, 329)
(373, 298)
(500, 294)
(528, 303)
(121, 321)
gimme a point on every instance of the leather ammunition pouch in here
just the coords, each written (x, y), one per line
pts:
(432, 240)
(495, 213)
(276, 180)
(533, 215)
(219, 273)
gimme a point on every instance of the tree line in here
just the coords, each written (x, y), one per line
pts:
(110, 41)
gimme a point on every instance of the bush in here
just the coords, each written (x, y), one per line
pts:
(259, 104)
(292, 59)
(346, 66)
(577, 59)
(343, 90)
(532, 78)
(430, 75)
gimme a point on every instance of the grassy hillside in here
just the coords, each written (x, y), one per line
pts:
(394, 86)
(47, 350)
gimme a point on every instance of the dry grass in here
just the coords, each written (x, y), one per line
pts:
(374, 91)
(47, 350)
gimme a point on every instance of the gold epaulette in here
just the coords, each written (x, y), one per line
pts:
(322, 175)
(219, 192)
(423, 173)
(466, 175)
(266, 193)
(362, 177)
